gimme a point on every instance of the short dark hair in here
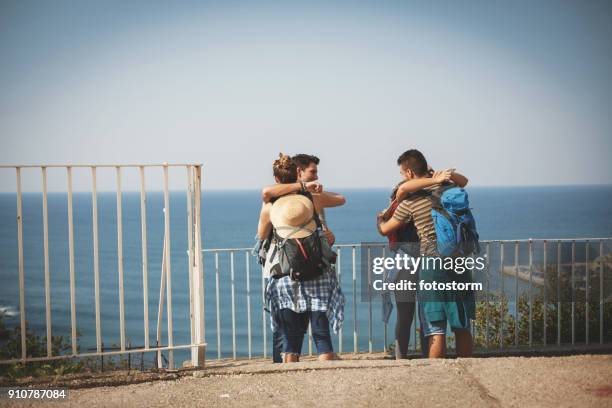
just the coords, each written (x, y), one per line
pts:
(413, 160)
(303, 160)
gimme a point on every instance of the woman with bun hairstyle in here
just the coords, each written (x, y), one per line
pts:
(295, 303)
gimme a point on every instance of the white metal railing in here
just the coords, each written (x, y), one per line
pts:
(196, 288)
(197, 281)
(498, 266)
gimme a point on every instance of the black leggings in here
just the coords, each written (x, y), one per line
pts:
(405, 315)
(405, 304)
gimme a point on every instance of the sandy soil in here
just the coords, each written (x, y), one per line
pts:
(575, 381)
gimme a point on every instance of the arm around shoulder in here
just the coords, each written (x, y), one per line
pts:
(277, 190)
(413, 185)
(387, 227)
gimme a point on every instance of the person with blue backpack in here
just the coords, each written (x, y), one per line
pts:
(404, 240)
(446, 229)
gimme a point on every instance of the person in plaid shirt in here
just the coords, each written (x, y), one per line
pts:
(293, 304)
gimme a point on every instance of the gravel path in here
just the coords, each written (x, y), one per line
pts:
(576, 381)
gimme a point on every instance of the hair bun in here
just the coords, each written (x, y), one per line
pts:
(283, 161)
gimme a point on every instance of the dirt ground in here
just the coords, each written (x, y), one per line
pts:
(358, 381)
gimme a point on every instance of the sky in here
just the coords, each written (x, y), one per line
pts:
(509, 93)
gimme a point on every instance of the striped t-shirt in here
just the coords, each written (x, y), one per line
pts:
(417, 208)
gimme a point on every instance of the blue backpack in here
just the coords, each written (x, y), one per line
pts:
(454, 223)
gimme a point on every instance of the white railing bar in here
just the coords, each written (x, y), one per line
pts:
(191, 252)
(46, 261)
(601, 296)
(370, 345)
(573, 294)
(196, 289)
(217, 303)
(516, 293)
(558, 293)
(120, 260)
(587, 264)
(73, 330)
(248, 294)
(106, 353)
(22, 316)
(168, 267)
(233, 294)
(339, 266)
(198, 275)
(355, 339)
(530, 294)
(383, 244)
(385, 323)
(415, 321)
(25, 166)
(96, 261)
(487, 312)
(545, 239)
(484, 241)
(145, 262)
(160, 305)
(501, 309)
(545, 303)
(213, 250)
(201, 277)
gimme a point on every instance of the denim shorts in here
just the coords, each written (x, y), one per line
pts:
(437, 327)
(293, 327)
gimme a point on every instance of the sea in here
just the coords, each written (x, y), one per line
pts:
(229, 220)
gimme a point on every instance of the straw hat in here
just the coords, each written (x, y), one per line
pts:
(290, 212)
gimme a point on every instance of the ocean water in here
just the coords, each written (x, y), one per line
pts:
(229, 221)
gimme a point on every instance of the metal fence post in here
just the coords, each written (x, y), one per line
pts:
(73, 330)
(46, 260)
(22, 316)
(198, 353)
(168, 268)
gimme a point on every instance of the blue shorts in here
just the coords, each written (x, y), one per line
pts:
(435, 328)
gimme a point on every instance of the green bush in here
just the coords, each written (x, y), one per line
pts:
(558, 314)
(36, 346)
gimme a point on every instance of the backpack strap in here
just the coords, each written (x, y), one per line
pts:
(317, 220)
(315, 217)
(436, 201)
(293, 231)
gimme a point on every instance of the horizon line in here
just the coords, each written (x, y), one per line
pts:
(217, 190)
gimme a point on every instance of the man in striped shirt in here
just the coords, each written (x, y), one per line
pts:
(417, 207)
